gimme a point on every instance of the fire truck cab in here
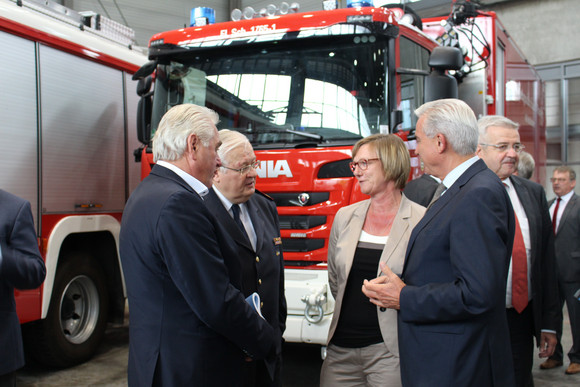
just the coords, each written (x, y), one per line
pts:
(304, 87)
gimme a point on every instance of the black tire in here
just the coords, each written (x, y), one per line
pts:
(77, 315)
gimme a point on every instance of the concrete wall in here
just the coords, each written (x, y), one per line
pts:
(546, 31)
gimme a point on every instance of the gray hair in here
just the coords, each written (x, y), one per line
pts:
(170, 140)
(526, 165)
(231, 140)
(455, 120)
(564, 169)
(487, 121)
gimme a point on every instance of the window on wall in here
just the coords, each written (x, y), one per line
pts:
(562, 101)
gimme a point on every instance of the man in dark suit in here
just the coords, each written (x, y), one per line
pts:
(565, 213)
(251, 219)
(190, 324)
(451, 294)
(535, 312)
(21, 267)
(421, 189)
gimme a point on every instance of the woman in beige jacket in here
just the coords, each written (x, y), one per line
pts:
(362, 340)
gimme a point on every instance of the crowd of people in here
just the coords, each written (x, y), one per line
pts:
(450, 280)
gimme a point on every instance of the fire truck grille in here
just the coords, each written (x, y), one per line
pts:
(301, 245)
(299, 199)
(301, 222)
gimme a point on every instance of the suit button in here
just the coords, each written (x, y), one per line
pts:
(257, 259)
(261, 304)
(260, 281)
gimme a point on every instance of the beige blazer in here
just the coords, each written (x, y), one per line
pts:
(344, 236)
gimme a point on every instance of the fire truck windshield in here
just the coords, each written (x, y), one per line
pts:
(297, 93)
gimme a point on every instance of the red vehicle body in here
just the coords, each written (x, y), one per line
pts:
(304, 88)
(65, 115)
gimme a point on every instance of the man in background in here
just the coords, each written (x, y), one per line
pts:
(190, 325)
(251, 219)
(531, 294)
(565, 213)
(21, 267)
(526, 165)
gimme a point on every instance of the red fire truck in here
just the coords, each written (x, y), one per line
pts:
(65, 118)
(304, 87)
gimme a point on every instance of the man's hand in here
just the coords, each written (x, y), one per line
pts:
(384, 291)
(548, 343)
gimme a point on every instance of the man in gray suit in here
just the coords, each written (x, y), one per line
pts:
(250, 218)
(565, 212)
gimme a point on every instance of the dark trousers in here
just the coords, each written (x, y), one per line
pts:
(567, 290)
(8, 380)
(521, 326)
(256, 374)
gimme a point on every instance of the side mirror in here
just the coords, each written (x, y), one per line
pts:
(144, 86)
(144, 109)
(438, 84)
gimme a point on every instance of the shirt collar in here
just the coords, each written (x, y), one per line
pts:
(197, 185)
(456, 173)
(566, 198)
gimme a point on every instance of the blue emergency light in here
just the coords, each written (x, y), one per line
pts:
(201, 16)
(357, 3)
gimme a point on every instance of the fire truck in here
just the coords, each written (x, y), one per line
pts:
(305, 86)
(65, 118)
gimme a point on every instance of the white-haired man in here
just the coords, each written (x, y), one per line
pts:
(451, 294)
(190, 324)
(251, 219)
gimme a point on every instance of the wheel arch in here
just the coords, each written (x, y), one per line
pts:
(97, 236)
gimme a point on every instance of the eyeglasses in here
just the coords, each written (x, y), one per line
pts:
(363, 164)
(504, 147)
(559, 180)
(246, 168)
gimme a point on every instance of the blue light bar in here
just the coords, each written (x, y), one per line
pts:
(357, 3)
(201, 16)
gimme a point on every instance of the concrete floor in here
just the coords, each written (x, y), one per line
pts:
(301, 366)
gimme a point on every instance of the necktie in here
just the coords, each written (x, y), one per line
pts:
(519, 271)
(555, 216)
(440, 188)
(238, 220)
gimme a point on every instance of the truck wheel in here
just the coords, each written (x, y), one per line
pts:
(77, 315)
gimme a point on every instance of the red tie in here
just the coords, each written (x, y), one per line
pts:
(555, 216)
(519, 271)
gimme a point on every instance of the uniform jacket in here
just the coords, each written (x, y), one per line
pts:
(568, 242)
(21, 268)
(263, 269)
(190, 324)
(342, 244)
(544, 279)
(452, 321)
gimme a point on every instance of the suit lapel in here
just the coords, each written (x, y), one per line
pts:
(349, 239)
(440, 204)
(223, 216)
(257, 222)
(528, 206)
(571, 204)
(398, 230)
